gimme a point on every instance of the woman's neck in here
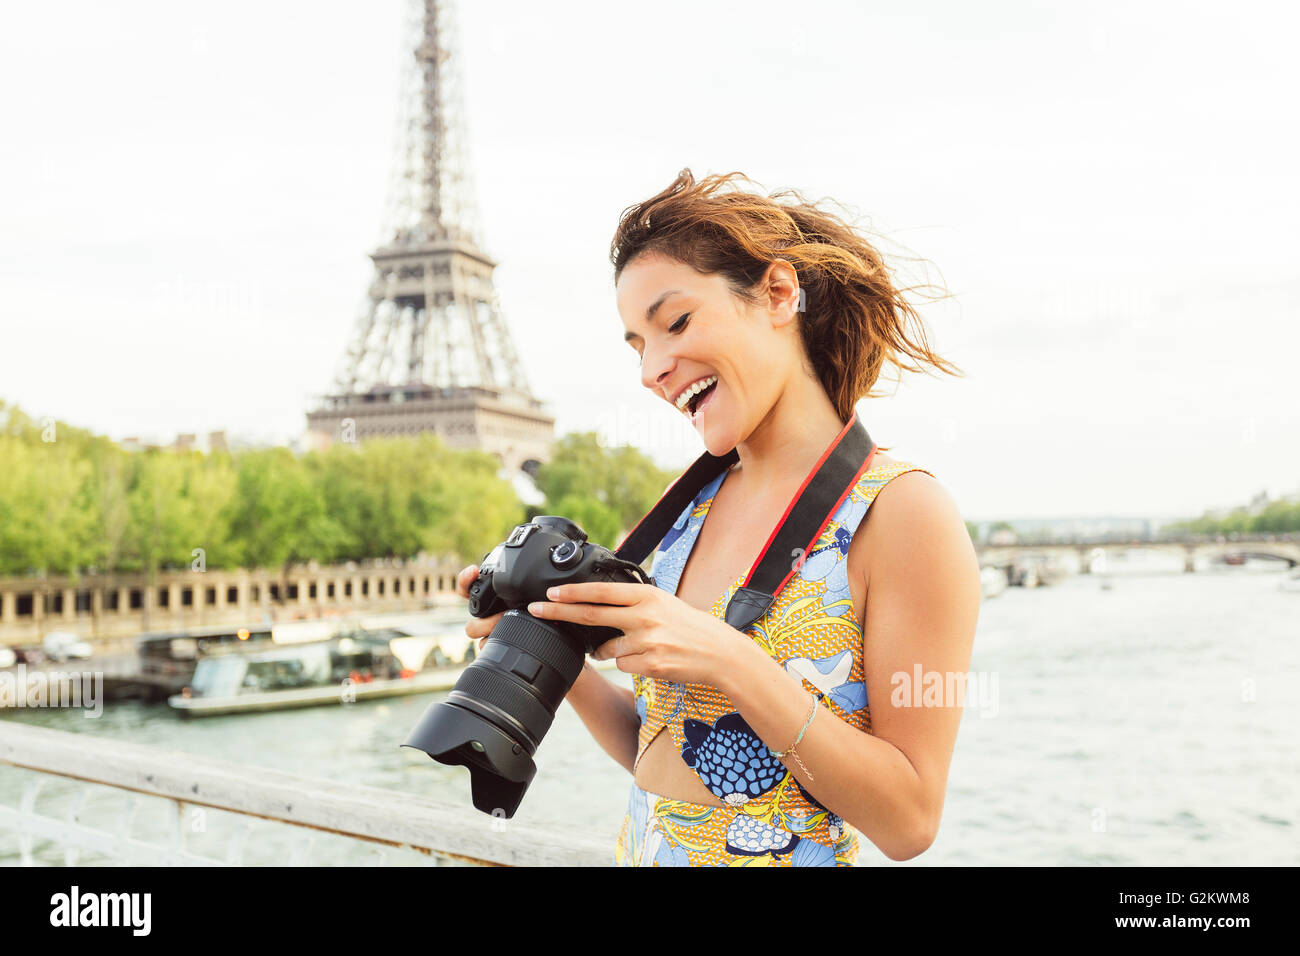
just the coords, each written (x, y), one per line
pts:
(782, 449)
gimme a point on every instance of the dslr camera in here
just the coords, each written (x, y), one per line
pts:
(503, 704)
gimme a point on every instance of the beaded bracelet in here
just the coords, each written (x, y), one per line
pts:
(789, 751)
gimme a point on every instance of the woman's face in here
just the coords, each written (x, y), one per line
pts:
(717, 359)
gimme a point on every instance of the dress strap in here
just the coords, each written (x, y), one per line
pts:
(869, 485)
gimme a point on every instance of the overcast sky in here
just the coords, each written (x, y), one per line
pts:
(188, 193)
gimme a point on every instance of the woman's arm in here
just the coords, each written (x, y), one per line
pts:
(922, 608)
(609, 711)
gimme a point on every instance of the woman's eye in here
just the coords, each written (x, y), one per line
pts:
(679, 324)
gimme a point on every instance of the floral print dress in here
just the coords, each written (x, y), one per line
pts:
(810, 629)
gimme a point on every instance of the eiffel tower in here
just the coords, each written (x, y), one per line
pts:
(431, 351)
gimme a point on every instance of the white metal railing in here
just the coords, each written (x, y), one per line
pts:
(436, 832)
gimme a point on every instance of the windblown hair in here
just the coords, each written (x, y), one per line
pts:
(855, 319)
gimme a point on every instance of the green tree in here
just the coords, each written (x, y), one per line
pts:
(472, 509)
(605, 490)
(277, 514)
(398, 497)
(112, 474)
(72, 501)
(1277, 517)
(45, 519)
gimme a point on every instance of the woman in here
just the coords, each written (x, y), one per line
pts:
(764, 323)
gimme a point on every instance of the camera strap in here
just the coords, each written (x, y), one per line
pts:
(840, 467)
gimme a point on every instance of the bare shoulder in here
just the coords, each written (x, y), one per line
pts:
(915, 525)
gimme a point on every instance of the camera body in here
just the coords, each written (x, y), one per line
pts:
(547, 551)
(494, 719)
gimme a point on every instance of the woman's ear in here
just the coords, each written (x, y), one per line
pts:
(780, 284)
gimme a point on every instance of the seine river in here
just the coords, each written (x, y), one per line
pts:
(1151, 722)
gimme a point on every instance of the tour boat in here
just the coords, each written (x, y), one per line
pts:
(357, 665)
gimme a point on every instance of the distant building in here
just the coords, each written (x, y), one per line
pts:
(137, 444)
(185, 441)
(1067, 529)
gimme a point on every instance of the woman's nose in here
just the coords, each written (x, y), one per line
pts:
(655, 368)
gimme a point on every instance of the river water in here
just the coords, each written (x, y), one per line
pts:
(1151, 722)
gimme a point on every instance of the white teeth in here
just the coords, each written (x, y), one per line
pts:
(694, 389)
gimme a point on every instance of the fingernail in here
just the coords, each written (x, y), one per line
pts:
(535, 608)
(553, 593)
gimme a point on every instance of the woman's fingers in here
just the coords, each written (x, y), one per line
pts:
(476, 627)
(465, 579)
(601, 592)
(634, 664)
(620, 646)
(480, 627)
(617, 616)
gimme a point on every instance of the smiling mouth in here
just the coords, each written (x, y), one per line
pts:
(692, 390)
(699, 398)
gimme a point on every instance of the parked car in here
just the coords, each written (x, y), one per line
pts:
(65, 646)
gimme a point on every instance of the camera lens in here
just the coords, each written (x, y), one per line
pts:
(495, 717)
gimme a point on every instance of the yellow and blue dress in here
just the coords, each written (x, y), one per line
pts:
(812, 631)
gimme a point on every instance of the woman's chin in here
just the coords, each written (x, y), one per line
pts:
(715, 426)
(718, 437)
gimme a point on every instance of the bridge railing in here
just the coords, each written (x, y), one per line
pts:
(1138, 541)
(427, 830)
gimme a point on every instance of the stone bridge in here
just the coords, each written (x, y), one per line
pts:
(1283, 547)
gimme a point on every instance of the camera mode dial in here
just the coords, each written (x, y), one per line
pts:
(566, 554)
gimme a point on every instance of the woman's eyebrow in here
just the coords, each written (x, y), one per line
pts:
(654, 306)
(650, 312)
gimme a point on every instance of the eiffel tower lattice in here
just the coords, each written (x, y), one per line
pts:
(431, 351)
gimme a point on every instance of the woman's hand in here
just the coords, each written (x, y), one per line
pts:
(663, 636)
(476, 627)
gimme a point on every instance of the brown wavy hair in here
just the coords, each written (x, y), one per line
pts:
(855, 319)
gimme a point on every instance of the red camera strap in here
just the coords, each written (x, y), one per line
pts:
(825, 487)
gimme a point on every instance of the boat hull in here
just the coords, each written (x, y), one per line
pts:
(424, 682)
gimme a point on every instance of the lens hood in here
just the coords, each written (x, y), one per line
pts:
(500, 770)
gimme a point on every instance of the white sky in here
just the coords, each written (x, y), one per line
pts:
(188, 194)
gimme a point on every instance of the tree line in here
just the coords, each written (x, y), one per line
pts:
(1277, 517)
(73, 502)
